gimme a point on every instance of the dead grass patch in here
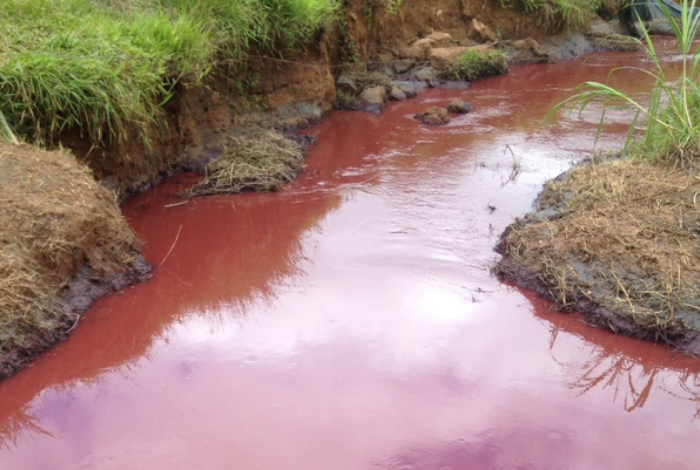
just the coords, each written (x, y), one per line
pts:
(620, 240)
(259, 160)
(615, 42)
(56, 224)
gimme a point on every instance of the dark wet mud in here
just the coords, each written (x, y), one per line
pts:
(351, 321)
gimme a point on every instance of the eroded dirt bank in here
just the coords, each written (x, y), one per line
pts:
(350, 321)
(300, 88)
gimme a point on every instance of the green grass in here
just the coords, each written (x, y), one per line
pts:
(672, 116)
(475, 64)
(558, 14)
(6, 132)
(107, 67)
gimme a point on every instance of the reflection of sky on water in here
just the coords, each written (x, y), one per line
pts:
(351, 322)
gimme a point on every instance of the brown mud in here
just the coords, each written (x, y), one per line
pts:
(350, 321)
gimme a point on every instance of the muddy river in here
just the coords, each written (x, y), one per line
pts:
(351, 322)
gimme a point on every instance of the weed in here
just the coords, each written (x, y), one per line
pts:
(348, 51)
(672, 130)
(346, 101)
(6, 132)
(370, 7)
(475, 64)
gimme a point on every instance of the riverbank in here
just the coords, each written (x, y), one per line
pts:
(618, 239)
(196, 91)
(357, 306)
(63, 244)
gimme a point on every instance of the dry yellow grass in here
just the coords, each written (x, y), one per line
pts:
(618, 239)
(56, 224)
(260, 160)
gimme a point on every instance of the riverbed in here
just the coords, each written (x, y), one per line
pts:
(351, 321)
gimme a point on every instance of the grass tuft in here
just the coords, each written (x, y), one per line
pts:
(260, 160)
(6, 132)
(345, 100)
(671, 130)
(475, 64)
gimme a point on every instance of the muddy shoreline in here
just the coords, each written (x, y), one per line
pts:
(577, 277)
(512, 271)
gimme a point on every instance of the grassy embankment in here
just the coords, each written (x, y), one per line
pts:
(619, 238)
(108, 67)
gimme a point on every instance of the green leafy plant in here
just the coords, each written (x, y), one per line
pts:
(672, 115)
(346, 100)
(394, 6)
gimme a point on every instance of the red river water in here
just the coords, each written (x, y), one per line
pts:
(350, 322)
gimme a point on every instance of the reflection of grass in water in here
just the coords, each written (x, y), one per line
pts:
(20, 422)
(613, 369)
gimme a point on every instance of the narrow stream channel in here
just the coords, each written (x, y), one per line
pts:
(351, 322)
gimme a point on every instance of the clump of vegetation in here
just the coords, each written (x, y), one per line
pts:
(370, 6)
(72, 64)
(260, 160)
(559, 14)
(348, 51)
(672, 116)
(107, 68)
(617, 240)
(615, 42)
(55, 221)
(475, 64)
(346, 101)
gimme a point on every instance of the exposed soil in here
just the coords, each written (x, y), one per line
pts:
(63, 243)
(619, 241)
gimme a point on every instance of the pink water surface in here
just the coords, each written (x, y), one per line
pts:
(351, 322)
